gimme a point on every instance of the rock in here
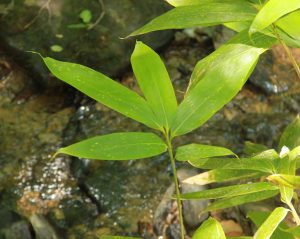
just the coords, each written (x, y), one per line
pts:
(166, 220)
(192, 209)
(45, 26)
(17, 230)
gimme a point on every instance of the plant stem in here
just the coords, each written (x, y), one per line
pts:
(288, 52)
(295, 214)
(179, 205)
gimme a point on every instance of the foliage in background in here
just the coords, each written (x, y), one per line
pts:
(215, 80)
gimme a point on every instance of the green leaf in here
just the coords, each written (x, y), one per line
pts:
(207, 14)
(252, 148)
(86, 16)
(263, 162)
(219, 74)
(294, 230)
(222, 175)
(290, 23)
(239, 237)
(243, 199)
(117, 146)
(291, 135)
(260, 217)
(155, 83)
(285, 180)
(118, 237)
(271, 12)
(178, 3)
(200, 151)
(104, 90)
(229, 191)
(210, 227)
(266, 230)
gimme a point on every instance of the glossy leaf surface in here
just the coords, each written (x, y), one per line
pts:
(155, 83)
(260, 217)
(104, 90)
(271, 12)
(215, 81)
(200, 151)
(291, 135)
(207, 14)
(229, 191)
(239, 200)
(266, 230)
(222, 175)
(210, 227)
(285, 180)
(117, 146)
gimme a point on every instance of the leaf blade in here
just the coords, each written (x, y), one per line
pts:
(155, 83)
(210, 227)
(117, 146)
(104, 90)
(271, 12)
(271, 223)
(229, 191)
(196, 151)
(207, 14)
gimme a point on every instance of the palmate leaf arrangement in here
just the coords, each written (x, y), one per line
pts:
(215, 80)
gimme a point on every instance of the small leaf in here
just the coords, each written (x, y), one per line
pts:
(271, 12)
(117, 146)
(56, 48)
(222, 175)
(291, 135)
(200, 151)
(285, 180)
(210, 227)
(207, 14)
(239, 200)
(86, 16)
(252, 148)
(266, 230)
(229, 191)
(260, 217)
(155, 83)
(104, 90)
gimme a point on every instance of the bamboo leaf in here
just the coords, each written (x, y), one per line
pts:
(294, 230)
(252, 148)
(207, 14)
(210, 227)
(104, 90)
(155, 83)
(222, 175)
(243, 199)
(229, 191)
(285, 180)
(178, 3)
(271, 12)
(290, 23)
(200, 151)
(260, 217)
(219, 74)
(266, 230)
(118, 237)
(291, 135)
(117, 146)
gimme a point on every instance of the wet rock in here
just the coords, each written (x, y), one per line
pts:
(166, 218)
(40, 25)
(18, 230)
(192, 209)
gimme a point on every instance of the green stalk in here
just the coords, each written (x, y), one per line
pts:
(294, 213)
(288, 52)
(179, 205)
